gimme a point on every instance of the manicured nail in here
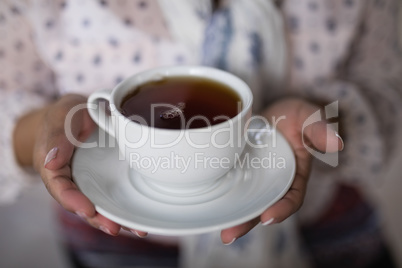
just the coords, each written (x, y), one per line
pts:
(231, 242)
(52, 154)
(340, 140)
(268, 222)
(105, 230)
(137, 234)
(82, 215)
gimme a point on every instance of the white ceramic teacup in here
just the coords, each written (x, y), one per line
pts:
(176, 159)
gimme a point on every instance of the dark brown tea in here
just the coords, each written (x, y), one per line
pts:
(182, 102)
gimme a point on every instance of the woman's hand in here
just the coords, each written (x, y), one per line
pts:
(296, 112)
(40, 140)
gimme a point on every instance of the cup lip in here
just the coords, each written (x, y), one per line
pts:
(245, 110)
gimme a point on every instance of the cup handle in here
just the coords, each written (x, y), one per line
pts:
(98, 112)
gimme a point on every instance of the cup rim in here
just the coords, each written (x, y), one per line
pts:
(185, 71)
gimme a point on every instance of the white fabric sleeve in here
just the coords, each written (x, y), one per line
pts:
(26, 83)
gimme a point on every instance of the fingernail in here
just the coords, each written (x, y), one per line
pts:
(340, 140)
(81, 214)
(268, 222)
(231, 242)
(51, 155)
(137, 234)
(105, 230)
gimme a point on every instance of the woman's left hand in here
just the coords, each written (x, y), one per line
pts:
(296, 111)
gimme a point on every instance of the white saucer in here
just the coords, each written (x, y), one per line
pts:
(121, 194)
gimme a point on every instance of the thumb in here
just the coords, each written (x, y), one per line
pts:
(63, 138)
(59, 152)
(323, 137)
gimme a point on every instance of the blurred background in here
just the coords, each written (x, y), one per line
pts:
(28, 236)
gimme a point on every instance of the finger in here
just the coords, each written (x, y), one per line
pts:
(293, 199)
(60, 143)
(140, 234)
(288, 204)
(323, 137)
(56, 172)
(228, 236)
(59, 154)
(66, 193)
(104, 224)
(53, 153)
(320, 134)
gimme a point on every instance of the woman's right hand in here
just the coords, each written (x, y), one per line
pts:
(40, 140)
